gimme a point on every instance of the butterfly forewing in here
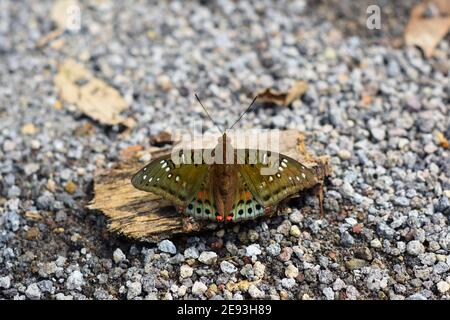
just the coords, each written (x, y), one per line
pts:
(288, 178)
(177, 183)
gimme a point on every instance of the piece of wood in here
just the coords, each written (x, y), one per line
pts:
(146, 217)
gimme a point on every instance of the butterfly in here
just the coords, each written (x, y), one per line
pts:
(206, 185)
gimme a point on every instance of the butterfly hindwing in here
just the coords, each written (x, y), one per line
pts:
(176, 183)
(246, 207)
(288, 177)
(202, 206)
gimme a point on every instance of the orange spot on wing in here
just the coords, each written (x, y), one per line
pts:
(202, 195)
(247, 195)
(229, 218)
(219, 218)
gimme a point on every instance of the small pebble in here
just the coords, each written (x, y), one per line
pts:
(252, 250)
(255, 293)
(167, 246)
(118, 256)
(227, 267)
(33, 292)
(443, 287)
(5, 282)
(208, 257)
(199, 288)
(415, 248)
(291, 271)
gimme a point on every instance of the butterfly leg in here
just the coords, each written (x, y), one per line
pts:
(318, 191)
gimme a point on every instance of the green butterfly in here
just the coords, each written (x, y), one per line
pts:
(220, 190)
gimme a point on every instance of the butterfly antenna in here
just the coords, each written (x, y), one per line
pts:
(240, 117)
(206, 111)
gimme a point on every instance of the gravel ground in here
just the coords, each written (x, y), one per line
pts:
(374, 108)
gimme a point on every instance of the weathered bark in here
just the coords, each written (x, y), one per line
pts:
(145, 216)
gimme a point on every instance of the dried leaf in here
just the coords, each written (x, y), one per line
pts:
(443, 6)
(131, 151)
(161, 139)
(33, 215)
(283, 98)
(92, 96)
(443, 142)
(427, 32)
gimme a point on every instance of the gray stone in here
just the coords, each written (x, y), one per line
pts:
(440, 268)
(177, 259)
(75, 280)
(33, 292)
(5, 282)
(191, 253)
(45, 201)
(385, 231)
(288, 283)
(255, 293)
(347, 239)
(186, 271)
(199, 288)
(134, 289)
(252, 250)
(118, 256)
(328, 293)
(167, 246)
(273, 249)
(227, 267)
(416, 296)
(415, 248)
(208, 257)
(46, 286)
